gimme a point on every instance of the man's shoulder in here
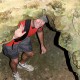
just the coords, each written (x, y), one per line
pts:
(21, 23)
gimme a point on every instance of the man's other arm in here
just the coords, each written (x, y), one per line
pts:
(41, 39)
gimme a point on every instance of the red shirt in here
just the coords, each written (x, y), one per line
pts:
(31, 32)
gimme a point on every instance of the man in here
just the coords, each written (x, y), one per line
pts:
(24, 46)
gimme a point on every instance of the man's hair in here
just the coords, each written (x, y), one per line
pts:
(44, 18)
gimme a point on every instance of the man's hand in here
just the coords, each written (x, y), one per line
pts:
(43, 50)
(19, 32)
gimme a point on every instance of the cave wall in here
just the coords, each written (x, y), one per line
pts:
(65, 15)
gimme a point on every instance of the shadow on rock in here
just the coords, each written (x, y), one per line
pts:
(56, 38)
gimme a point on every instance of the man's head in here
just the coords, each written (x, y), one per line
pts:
(40, 22)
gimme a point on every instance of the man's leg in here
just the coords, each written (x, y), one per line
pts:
(25, 46)
(13, 55)
(25, 56)
(13, 65)
(23, 65)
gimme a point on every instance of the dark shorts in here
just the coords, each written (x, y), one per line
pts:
(23, 46)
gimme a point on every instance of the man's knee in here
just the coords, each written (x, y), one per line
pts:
(30, 54)
(15, 61)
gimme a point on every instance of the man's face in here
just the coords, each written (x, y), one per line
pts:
(38, 23)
